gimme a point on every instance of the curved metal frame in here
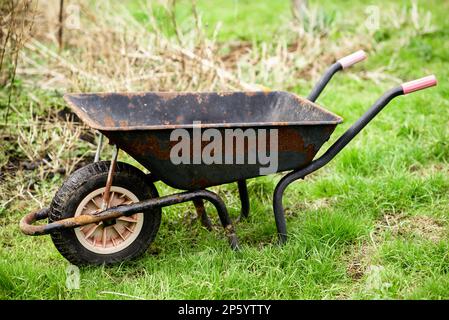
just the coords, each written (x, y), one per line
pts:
(244, 202)
(244, 199)
(325, 158)
(26, 224)
(321, 84)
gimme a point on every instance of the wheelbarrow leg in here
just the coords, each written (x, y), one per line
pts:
(244, 199)
(278, 208)
(244, 211)
(201, 212)
(99, 146)
(337, 146)
(222, 214)
(107, 190)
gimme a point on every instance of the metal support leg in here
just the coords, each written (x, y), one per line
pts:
(244, 199)
(99, 146)
(278, 208)
(107, 190)
(222, 214)
(201, 212)
(244, 211)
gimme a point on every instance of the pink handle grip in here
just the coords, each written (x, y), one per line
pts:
(352, 59)
(419, 84)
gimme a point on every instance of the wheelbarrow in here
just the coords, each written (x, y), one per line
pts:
(109, 211)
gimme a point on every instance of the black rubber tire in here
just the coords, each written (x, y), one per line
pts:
(77, 187)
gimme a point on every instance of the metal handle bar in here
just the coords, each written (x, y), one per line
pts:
(341, 64)
(338, 145)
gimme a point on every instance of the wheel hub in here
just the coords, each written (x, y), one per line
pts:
(108, 237)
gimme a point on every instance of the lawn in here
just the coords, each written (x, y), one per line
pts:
(373, 224)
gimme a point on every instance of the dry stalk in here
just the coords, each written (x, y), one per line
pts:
(16, 20)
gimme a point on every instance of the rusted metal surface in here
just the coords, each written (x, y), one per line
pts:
(201, 212)
(297, 146)
(27, 223)
(141, 125)
(171, 110)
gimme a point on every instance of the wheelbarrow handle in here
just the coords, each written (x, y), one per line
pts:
(419, 84)
(352, 59)
(347, 136)
(338, 145)
(341, 64)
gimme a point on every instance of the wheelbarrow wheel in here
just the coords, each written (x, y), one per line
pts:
(82, 193)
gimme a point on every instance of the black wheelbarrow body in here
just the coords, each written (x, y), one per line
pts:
(142, 124)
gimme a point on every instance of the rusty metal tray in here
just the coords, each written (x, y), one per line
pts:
(141, 125)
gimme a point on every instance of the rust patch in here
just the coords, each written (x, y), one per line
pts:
(154, 147)
(148, 144)
(290, 140)
(180, 119)
(252, 93)
(108, 121)
(167, 96)
(123, 123)
(199, 183)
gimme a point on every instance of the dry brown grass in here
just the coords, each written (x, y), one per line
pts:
(420, 226)
(115, 52)
(16, 21)
(398, 226)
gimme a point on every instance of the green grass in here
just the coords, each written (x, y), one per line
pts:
(237, 19)
(373, 224)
